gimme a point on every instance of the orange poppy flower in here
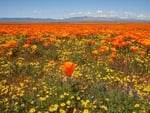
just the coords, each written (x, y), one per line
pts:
(46, 44)
(68, 68)
(90, 42)
(143, 53)
(95, 52)
(26, 45)
(11, 43)
(103, 49)
(134, 49)
(113, 55)
(113, 49)
(1, 52)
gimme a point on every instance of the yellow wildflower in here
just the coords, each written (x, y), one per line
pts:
(107, 99)
(34, 88)
(9, 53)
(62, 111)
(39, 112)
(62, 96)
(68, 102)
(42, 98)
(53, 108)
(104, 107)
(33, 47)
(21, 84)
(137, 105)
(86, 111)
(66, 94)
(62, 104)
(85, 102)
(32, 110)
(78, 98)
(74, 110)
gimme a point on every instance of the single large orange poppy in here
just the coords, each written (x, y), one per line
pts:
(68, 68)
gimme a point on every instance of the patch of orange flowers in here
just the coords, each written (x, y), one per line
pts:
(117, 35)
(135, 30)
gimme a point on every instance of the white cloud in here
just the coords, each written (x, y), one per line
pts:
(141, 16)
(132, 15)
(111, 14)
(88, 13)
(129, 15)
(99, 11)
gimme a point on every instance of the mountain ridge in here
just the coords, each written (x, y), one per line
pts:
(74, 19)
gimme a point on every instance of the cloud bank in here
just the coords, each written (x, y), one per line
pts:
(108, 14)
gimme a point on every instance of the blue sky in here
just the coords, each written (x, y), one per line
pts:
(70, 8)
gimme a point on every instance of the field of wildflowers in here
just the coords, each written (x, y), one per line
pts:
(75, 68)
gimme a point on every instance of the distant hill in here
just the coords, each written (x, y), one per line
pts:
(74, 19)
(27, 20)
(102, 19)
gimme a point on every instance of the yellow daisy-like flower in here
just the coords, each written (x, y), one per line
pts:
(74, 110)
(107, 99)
(39, 112)
(68, 102)
(86, 111)
(137, 105)
(62, 104)
(42, 99)
(66, 94)
(62, 96)
(85, 102)
(32, 110)
(34, 88)
(62, 111)
(78, 98)
(104, 107)
(53, 108)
